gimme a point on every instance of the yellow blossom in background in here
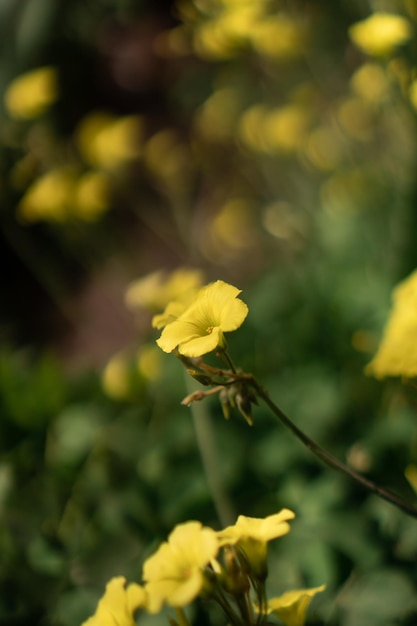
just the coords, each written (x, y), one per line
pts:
(284, 128)
(215, 120)
(370, 82)
(252, 534)
(149, 362)
(50, 197)
(118, 605)
(156, 290)
(250, 130)
(32, 93)
(172, 312)
(169, 161)
(324, 147)
(222, 36)
(174, 574)
(397, 352)
(292, 606)
(108, 141)
(355, 117)
(200, 329)
(231, 233)
(381, 33)
(279, 37)
(116, 377)
(91, 196)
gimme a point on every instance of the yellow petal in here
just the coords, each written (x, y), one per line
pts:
(292, 606)
(397, 353)
(202, 345)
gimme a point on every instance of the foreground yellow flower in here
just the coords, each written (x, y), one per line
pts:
(251, 535)
(30, 94)
(174, 574)
(397, 352)
(117, 606)
(199, 330)
(381, 33)
(292, 606)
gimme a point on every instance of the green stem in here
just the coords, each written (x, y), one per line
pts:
(329, 459)
(181, 617)
(208, 453)
(228, 360)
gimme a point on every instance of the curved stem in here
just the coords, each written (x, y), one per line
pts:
(329, 459)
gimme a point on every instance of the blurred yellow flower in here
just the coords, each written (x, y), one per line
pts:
(397, 352)
(108, 141)
(284, 128)
(251, 125)
(381, 33)
(292, 606)
(149, 362)
(370, 82)
(117, 606)
(251, 535)
(116, 377)
(175, 573)
(222, 36)
(156, 290)
(91, 196)
(50, 197)
(231, 233)
(324, 147)
(172, 312)
(169, 161)
(30, 94)
(199, 330)
(216, 118)
(279, 37)
(355, 117)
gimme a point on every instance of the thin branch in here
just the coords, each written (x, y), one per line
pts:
(329, 459)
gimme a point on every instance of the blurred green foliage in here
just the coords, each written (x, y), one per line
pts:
(280, 168)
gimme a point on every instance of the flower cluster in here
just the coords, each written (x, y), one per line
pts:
(228, 567)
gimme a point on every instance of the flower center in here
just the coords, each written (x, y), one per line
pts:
(209, 330)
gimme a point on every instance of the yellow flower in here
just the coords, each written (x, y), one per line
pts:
(199, 330)
(108, 141)
(157, 289)
(279, 37)
(116, 377)
(381, 33)
(174, 574)
(397, 352)
(251, 535)
(149, 362)
(50, 197)
(91, 196)
(117, 606)
(30, 94)
(292, 606)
